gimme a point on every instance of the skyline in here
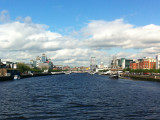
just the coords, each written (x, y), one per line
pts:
(70, 32)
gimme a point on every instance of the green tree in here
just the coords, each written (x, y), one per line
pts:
(50, 70)
(35, 69)
(23, 67)
(103, 70)
(126, 69)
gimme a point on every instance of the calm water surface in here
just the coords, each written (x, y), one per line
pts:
(79, 97)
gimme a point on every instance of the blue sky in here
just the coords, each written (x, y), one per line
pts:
(75, 13)
(65, 17)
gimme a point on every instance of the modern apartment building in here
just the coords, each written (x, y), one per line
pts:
(121, 63)
(93, 64)
(158, 61)
(44, 58)
(42, 62)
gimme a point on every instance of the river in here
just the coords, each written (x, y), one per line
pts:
(79, 96)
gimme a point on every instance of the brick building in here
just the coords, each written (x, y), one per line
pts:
(133, 65)
(146, 63)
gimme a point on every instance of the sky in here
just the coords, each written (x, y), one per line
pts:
(71, 31)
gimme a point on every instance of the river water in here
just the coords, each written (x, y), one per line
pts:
(79, 97)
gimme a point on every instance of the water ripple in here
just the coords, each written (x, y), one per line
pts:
(79, 97)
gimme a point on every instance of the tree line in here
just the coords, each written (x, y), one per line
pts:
(23, 68)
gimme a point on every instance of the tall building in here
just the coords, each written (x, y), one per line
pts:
(121, 63)
(38, 58)
(158, 61)
(43, 65)
(44, 58)
(93, 64)
(42, 62)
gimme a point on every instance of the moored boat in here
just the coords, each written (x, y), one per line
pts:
(68, 72)
(57, 73)
(114, 76)
(16, 77)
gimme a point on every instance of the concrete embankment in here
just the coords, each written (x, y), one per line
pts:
(145, 78)
(35, 75)
(6, 78)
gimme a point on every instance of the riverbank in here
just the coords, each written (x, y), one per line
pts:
(35, 75)
(6, 78)
(145, 78)
(141, 77)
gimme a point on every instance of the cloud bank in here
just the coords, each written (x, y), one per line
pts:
(117, 33)
(22, 40)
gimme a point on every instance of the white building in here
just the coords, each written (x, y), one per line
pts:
(101, 66)
(123, 63)
(43, 65)
(158, 61)
(93, 64)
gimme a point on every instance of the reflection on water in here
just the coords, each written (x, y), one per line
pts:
(79, 97)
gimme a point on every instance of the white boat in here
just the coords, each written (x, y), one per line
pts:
(16, 77)
(114, 76)
(108, 72)
(92, 73)
(68, 72)
(57, 73)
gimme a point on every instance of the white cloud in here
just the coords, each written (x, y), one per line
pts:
(104, 34)
(78, 56)
(4, 16)
(30, 36)
(22, 40)
(28, 19)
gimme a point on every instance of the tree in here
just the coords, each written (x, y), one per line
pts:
(35, 69)
(23, 67)
(44, 68)
(126, 69)
(50, 70)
